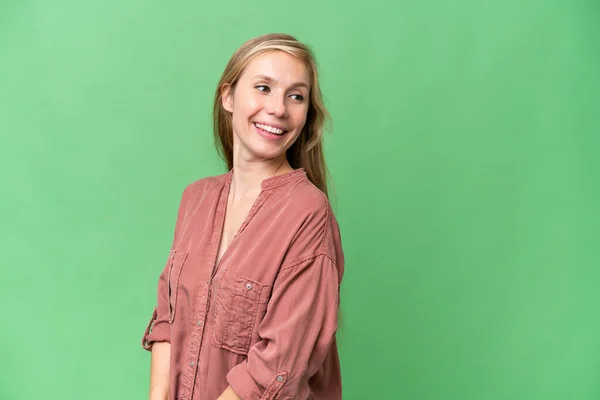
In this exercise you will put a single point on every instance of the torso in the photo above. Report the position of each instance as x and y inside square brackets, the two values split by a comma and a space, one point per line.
[235, 215]
[212, 316]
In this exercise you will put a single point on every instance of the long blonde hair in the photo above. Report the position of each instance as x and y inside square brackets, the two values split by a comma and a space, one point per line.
[307, 150]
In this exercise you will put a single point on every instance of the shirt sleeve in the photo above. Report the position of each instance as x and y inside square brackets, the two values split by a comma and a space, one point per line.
[297, 332]
[158, 329]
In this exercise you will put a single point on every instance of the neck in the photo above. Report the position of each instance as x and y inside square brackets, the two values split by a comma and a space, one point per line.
[248, 175]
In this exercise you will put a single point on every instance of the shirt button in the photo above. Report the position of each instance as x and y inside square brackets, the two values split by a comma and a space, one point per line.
[249, 286]
[199, 323]
[191, 363]
[280, 378]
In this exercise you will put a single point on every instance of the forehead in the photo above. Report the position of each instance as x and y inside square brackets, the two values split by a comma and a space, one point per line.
[280, 66]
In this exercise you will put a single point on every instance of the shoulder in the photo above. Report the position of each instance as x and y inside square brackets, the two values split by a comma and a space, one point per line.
[311, 219]
[204, 185]
[305, 200]
[319, 223]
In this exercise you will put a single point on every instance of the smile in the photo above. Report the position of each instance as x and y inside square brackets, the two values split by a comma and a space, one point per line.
[269, 128]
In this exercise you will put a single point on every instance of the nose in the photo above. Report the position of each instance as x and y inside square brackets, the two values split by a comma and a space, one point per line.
[276, 106]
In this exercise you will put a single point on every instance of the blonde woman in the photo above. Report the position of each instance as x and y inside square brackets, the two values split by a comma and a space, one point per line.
[248, 301]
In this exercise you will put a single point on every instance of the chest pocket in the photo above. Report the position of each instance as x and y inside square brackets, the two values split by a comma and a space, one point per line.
[177, 260]
[240, 305]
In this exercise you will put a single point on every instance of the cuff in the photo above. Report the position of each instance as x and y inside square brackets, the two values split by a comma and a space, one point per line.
[156, 331]
[244, 385]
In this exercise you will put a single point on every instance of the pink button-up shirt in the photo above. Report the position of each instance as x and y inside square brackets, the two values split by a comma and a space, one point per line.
[264, 319]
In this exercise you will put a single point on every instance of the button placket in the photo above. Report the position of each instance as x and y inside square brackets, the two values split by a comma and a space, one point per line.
[202, 303]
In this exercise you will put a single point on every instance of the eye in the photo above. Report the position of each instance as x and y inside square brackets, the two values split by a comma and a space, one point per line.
[262, 88]
[297, 97]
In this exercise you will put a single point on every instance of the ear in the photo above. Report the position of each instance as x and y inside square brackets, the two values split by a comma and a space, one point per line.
[227, 97]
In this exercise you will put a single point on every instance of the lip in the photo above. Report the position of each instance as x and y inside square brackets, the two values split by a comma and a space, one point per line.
[268, 135]
[273, 125]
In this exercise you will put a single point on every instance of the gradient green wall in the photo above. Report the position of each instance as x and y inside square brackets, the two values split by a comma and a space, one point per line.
[464, 153]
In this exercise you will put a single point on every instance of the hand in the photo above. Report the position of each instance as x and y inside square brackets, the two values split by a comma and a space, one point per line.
[229, 394]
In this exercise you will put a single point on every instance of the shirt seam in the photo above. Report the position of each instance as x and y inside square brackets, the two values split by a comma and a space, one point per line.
[327, 229]
[301, 260]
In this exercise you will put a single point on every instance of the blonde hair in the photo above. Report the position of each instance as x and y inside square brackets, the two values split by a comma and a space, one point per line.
[307, 150]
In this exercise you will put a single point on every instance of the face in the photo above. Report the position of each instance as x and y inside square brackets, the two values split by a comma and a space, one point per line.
[269, 105]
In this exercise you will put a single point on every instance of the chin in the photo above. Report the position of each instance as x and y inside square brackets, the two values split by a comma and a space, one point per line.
[266, 151]
[268, 155]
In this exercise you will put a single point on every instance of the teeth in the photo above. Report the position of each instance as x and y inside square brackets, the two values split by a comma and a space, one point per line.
[270, 129]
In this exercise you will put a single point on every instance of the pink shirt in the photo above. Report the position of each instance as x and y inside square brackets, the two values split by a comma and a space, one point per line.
[263, 320]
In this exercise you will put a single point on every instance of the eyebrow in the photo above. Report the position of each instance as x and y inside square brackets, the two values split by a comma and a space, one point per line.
[271, 80]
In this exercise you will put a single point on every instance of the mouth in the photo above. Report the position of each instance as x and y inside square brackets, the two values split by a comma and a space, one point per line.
[270, 129]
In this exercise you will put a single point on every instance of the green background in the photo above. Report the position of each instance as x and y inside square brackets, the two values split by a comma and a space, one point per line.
[464, 154]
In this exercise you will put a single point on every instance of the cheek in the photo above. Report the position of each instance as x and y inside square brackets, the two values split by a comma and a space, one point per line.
[247, 106]
[300, 118]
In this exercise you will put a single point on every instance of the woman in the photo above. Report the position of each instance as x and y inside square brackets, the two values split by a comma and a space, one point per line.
[248, 301]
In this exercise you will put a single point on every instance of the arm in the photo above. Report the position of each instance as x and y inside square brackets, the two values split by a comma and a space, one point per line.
[159, 371]
[157, 336]
[296, 332]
